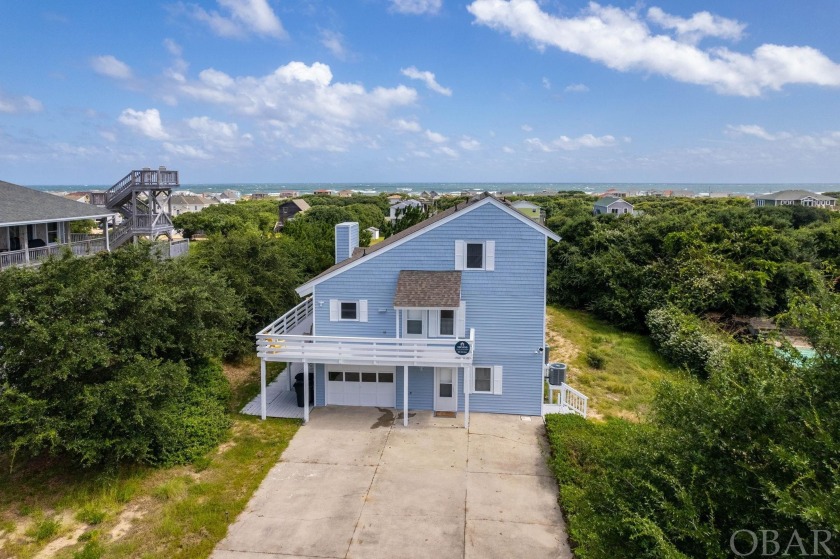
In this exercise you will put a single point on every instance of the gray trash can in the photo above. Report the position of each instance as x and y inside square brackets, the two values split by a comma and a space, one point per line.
[556, 374]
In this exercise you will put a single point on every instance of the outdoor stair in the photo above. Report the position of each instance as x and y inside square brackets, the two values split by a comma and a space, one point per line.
[141, 198]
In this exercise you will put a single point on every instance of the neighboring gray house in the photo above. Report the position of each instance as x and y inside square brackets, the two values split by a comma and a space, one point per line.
[288, 210]
[401, 207]
[615, 206]
[35, 225]
[795, 198]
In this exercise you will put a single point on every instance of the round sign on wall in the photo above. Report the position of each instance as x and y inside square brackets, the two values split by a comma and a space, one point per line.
[462, 348]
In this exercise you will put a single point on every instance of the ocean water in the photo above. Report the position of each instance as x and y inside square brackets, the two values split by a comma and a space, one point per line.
[453, 187]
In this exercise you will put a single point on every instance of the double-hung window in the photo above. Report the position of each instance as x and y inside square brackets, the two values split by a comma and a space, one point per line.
[414, 323]
[349, 310]
[475, 256]
[487, 380]
[484, 379]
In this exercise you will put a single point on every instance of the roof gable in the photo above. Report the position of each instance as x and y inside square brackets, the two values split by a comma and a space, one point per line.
[364, 254]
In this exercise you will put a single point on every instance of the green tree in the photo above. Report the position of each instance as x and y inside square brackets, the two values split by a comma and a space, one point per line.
[111, 359]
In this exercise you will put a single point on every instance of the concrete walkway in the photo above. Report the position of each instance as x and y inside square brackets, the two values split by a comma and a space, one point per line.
[355, 483]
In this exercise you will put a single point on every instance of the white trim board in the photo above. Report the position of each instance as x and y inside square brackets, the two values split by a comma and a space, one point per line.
[307, 288]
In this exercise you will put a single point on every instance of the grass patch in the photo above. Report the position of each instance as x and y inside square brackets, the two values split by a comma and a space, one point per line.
[177, 512]
[617, 370]
[43, 529]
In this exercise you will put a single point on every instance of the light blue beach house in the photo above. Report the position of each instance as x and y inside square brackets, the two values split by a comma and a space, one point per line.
[447, 315]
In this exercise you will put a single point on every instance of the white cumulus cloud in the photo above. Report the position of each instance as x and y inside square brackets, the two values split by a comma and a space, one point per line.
[416, 7]
[146, 122]
[426, 77]
[469, 144]
[621, 39]
[436, 137]
[334, 42]
[185, 150]
[698, 26]
[108, 65]
[576, 88]
[566, 143]
[240, 18]
[448, 151]
[300, 103]
[788, 140]
[407, 125]
[11, 104]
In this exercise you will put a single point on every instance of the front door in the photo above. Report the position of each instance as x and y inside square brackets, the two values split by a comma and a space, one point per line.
[446, 391]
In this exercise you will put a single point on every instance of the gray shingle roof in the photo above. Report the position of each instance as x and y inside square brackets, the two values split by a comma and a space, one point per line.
[793, 195]
[417, 288]
[19, 205]
[607, 200]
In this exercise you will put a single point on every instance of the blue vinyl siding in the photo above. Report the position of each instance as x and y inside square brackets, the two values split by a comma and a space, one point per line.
[320, 385]
[506, 306]
[421, 388]
[346, 239]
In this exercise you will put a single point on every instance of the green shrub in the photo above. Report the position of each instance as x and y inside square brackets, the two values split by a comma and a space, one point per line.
[43, 529]
[686, 340]
[110, 359]
[92, 550]
[91, 514]
[595, 359]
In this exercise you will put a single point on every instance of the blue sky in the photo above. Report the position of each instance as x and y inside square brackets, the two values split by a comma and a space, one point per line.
[420, 90]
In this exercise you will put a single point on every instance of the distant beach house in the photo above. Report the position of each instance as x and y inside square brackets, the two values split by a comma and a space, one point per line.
[795, 198]
[288, 210]
[394, 199]
[374, 233]
[345, 193]
[530, 210]
[323, 192]
[289, 194]
[614, 193]
[231, 194]
[183, 204]
[610, 205]
[401, 207]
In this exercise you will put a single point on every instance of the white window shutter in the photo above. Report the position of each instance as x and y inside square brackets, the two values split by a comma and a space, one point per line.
[490, 257]
[434, 324]
[461, 319]
[363, 310]
[460, 251]
[334, 310]
[497, 379]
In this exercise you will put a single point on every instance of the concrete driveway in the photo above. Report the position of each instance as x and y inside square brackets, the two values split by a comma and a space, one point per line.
[355, 483]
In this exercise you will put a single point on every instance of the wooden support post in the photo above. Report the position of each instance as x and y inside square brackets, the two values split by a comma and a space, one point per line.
[262, 388]
[107, 240]
[305, 392]
[405, 396]
[25, 243]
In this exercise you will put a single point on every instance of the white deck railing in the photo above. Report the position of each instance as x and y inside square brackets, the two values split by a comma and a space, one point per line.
[39, 254]
[565, 399]
[297, 320]
[285, 339]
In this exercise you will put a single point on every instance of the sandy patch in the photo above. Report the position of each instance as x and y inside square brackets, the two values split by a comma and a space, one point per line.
[126, 521]
[69, 538]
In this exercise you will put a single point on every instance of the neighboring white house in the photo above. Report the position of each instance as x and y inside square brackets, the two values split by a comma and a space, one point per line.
[184, 204]
[401, 207]
[795, 198]
[610, 205]
[374, 233]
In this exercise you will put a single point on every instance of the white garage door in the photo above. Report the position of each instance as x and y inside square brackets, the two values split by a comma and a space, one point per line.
[352, 386]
